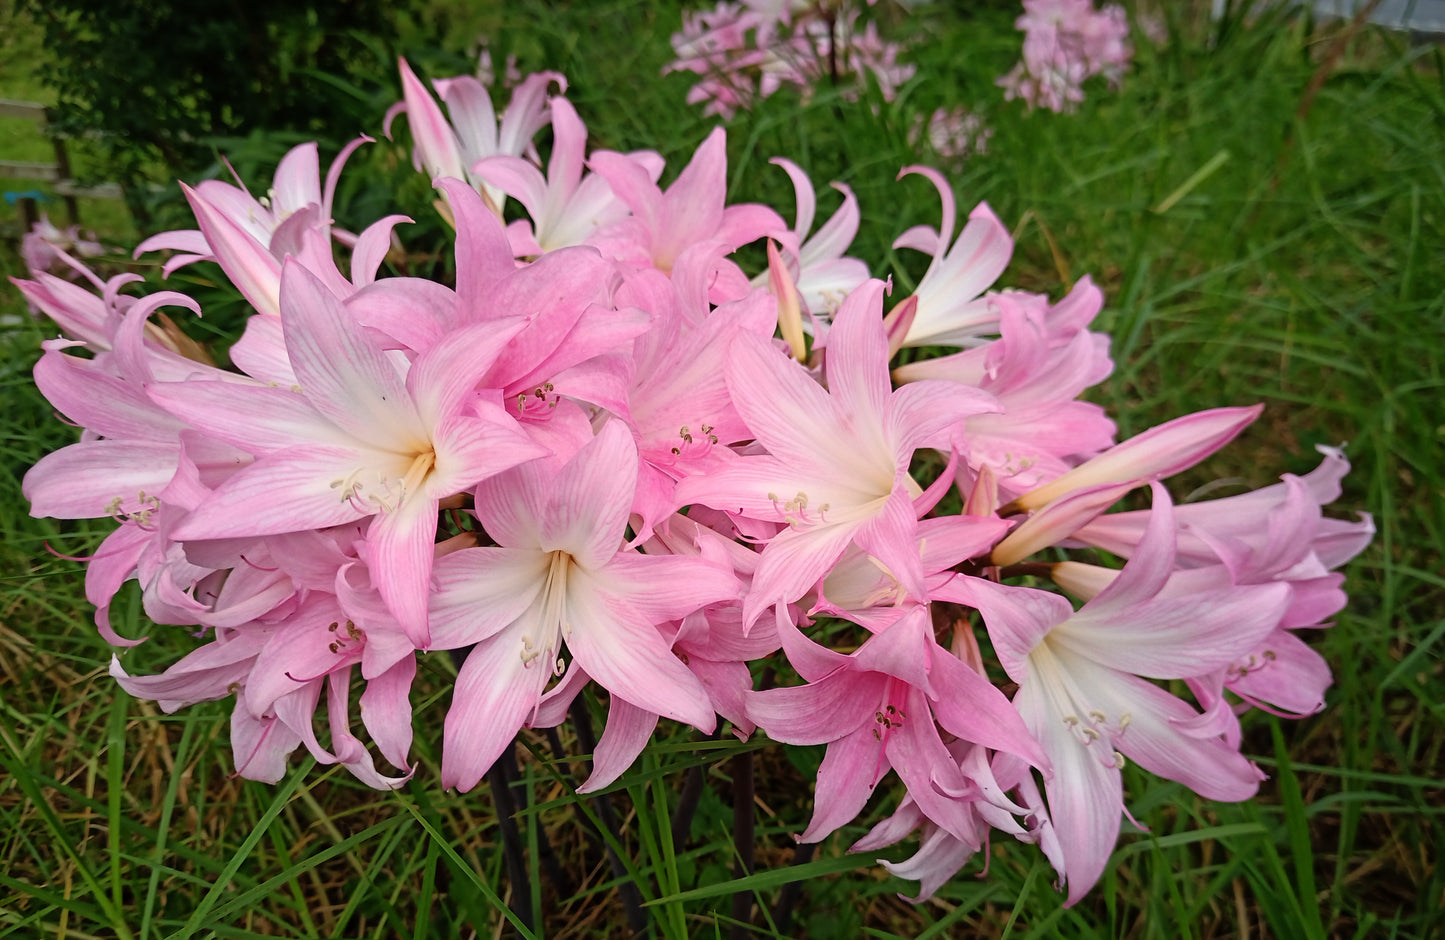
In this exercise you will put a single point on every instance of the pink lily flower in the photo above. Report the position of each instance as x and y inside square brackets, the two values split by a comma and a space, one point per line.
[359, 438]
[566, 207]
[692, 210]
[560, 576]
[836, 471]
[951, 308]
[1273, 534]
[1037, 375]
[821, 273]
[1083, 689]
[450, 149]
[876, 709]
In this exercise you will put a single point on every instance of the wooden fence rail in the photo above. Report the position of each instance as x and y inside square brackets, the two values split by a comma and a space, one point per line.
[58, 172]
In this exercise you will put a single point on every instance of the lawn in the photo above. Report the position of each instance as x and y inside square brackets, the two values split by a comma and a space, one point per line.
[1262, 201]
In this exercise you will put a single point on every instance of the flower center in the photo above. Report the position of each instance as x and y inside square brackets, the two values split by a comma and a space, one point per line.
[386, 492]
[552, 622]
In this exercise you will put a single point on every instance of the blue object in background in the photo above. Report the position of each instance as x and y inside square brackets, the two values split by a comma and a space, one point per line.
[13, 198]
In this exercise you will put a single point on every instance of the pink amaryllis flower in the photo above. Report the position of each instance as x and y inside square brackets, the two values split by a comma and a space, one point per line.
[452, 149]
[836, 471]
[565, 207]
[358, 437]
[877, 709]
[951, 308]
[1084, 690]
[822, 274]
[691, 211]
[559, 576]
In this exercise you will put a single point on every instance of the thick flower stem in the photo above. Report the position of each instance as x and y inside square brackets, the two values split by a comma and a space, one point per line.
[498, 779]
[788, 897]
[743, 840]
[546, 855]
[687, 802]
[626, 890]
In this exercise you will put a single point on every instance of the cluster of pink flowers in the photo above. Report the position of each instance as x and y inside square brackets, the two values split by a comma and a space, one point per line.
[1067, 42]
[590, 460]
[952, 133]
[748, 49]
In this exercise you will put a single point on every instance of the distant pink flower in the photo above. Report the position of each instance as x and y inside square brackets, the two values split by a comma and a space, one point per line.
[40, 247]
[953, 132]
[747, 51]
[1065, 43]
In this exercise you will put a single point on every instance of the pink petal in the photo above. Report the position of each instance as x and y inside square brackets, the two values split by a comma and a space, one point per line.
[437, 147]
[668, 587]
[495, 691]
[344, 375]
[386, 711]
[84, 480]
[249, 265]
[1085, 794]
[792, 563]
[589, 500]
[628, 730]
[480, 591]
[1017, 618]
[254, 418]
[401, 544]
[287, 491]
[626, 655]
[1159, 452]
[819, 712]
[850, 770]
[857, 362]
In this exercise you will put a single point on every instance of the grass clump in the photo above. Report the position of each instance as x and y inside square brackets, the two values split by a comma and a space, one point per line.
[1251, 249]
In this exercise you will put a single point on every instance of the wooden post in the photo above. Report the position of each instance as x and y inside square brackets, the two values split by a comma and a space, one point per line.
[29, 213]
[62, 162]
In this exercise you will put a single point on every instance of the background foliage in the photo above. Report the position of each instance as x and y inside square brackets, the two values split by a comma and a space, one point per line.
[1265, 210]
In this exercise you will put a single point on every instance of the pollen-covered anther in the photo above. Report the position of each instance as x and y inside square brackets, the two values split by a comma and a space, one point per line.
[537, 403]
[529, 652]
[693, 446]
[146, 507]
[353, 636]
[794, 511]
[388, 493]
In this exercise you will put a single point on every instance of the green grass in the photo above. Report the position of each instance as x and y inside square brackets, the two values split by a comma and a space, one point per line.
[1246, 254]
